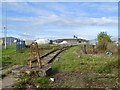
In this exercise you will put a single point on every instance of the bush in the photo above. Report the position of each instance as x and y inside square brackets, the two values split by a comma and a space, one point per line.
[103, 41]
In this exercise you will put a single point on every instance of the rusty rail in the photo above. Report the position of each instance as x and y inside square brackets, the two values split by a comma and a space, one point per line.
[60, 50]
[63, 49]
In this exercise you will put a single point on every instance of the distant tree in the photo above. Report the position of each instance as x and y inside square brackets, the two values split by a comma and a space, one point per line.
[103, 40]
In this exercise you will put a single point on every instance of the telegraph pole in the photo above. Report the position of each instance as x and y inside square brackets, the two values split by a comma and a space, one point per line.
[5, 22]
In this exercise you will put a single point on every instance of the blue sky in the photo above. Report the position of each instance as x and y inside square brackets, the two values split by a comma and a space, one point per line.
[52, 20]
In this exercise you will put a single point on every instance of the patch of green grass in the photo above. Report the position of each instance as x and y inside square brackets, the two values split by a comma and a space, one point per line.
[104, 69]
[68, 60]
[6, 60]
[9, 50]
[108, 67]
[38, 82]
[22, 82]
[43, 82]
[11, 57]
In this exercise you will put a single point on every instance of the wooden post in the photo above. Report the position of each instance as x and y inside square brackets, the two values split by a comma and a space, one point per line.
[85, 49]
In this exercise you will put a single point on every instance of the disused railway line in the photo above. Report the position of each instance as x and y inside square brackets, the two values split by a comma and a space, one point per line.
[59, 51]
[49, 57]
[55, 53]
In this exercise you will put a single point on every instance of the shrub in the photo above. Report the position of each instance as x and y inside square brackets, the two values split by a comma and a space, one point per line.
[103, 40]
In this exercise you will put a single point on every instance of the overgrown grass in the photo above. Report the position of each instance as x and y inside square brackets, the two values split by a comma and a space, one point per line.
[70, 61]
[9, 50]
[104, 69]
[22, 82]
[32, 80]
[43, 82]
[11, 57]
[109, 67]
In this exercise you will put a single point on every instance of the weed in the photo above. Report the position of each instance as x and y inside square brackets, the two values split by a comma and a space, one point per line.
[64, 86]
[104, 69]
[22, 82]
[43, 82]
[69, 62]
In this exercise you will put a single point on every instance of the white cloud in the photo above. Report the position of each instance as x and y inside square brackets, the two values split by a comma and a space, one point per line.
[15, 19]
[62, 21]
[27, 8]
[59, 21]
[103, 6]
[63, 9]
[61, 0]
[65, 21]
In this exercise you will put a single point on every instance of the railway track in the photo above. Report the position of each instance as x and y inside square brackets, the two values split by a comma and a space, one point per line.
[46, 60]
[50, 56]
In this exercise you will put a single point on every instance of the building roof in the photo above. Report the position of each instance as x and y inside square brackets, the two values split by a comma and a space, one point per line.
[70, 39]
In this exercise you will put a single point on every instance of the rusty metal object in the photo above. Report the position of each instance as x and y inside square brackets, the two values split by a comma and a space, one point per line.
[34, 51]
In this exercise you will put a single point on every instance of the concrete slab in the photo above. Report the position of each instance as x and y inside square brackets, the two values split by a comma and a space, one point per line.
[44, 71]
